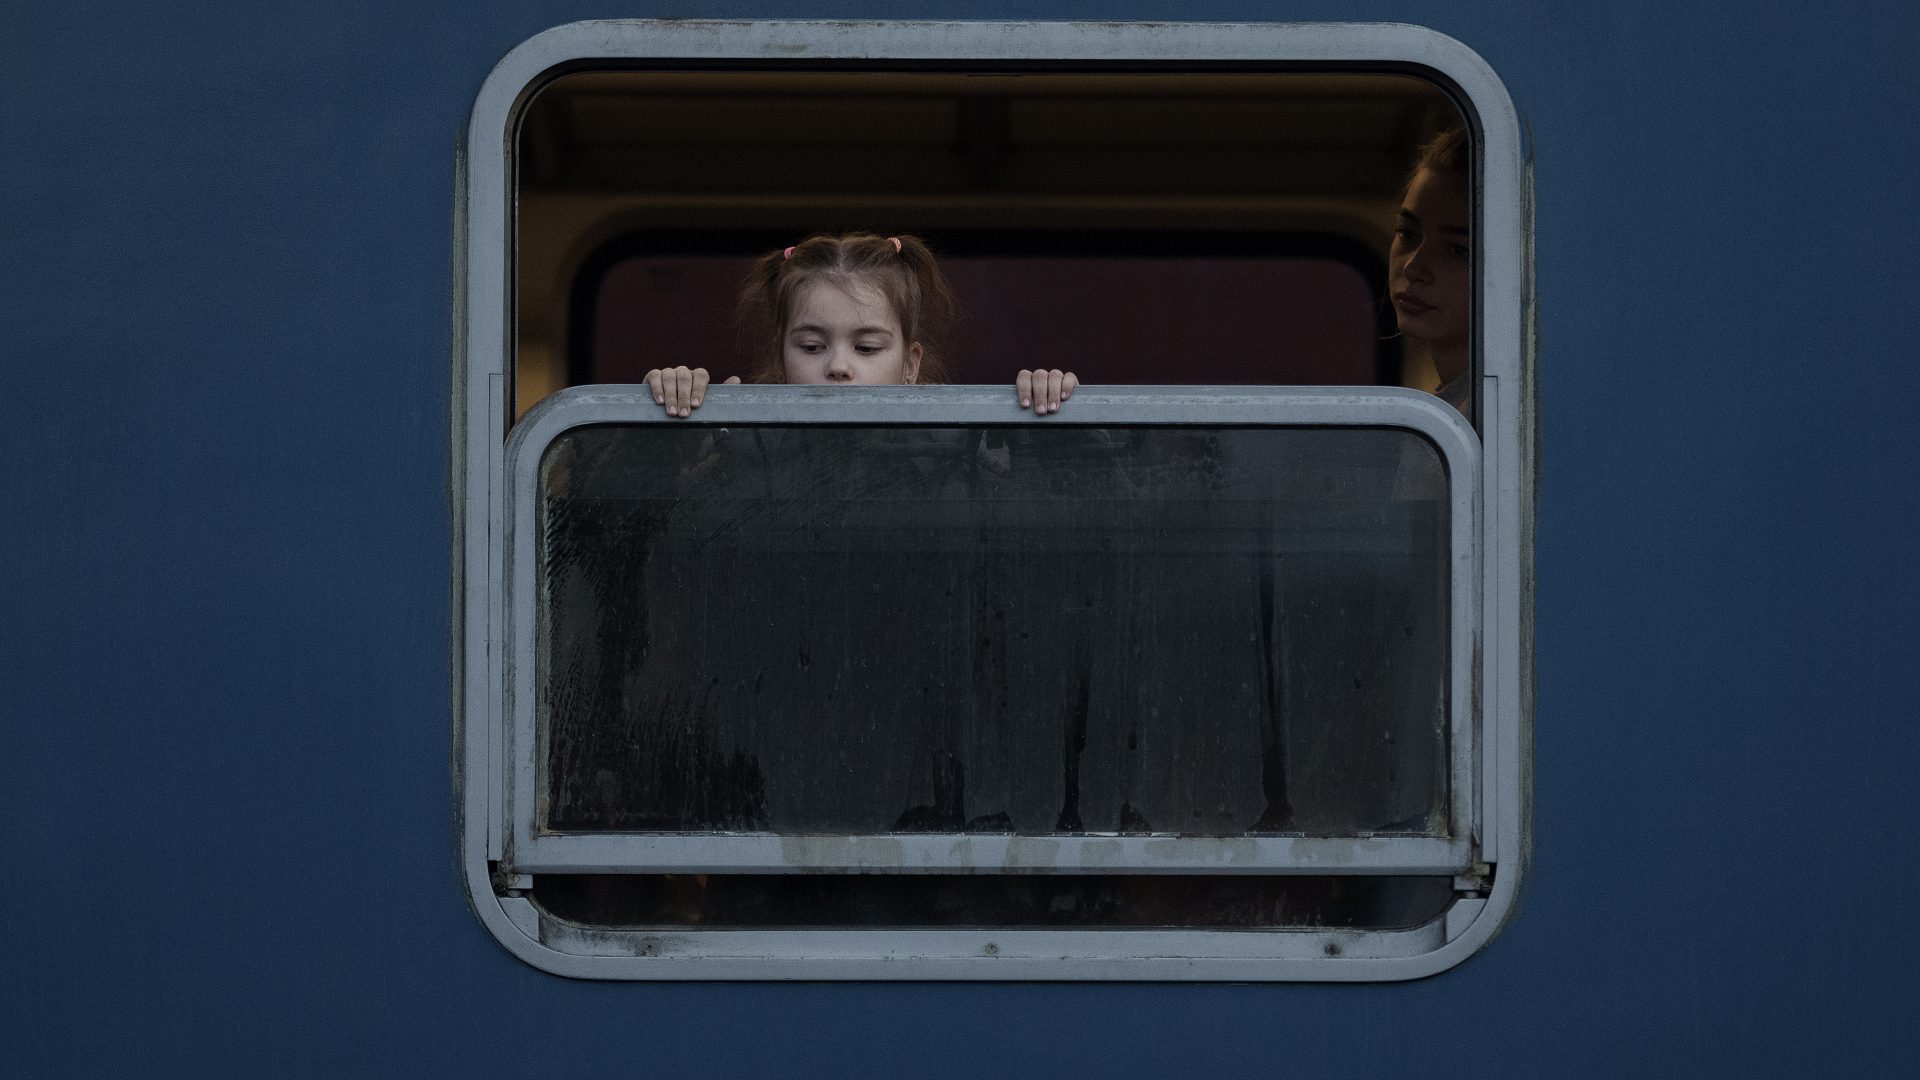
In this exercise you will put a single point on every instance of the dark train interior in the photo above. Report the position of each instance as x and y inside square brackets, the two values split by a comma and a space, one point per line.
[1133, 227]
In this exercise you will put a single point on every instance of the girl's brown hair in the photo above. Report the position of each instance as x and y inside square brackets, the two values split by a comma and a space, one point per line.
[1445, 153]
[900, 267]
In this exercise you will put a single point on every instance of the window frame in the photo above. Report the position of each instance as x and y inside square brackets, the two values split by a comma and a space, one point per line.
[532, 850]
[1498, 693]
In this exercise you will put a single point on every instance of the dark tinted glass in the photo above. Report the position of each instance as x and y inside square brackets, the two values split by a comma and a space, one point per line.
[1038, 629]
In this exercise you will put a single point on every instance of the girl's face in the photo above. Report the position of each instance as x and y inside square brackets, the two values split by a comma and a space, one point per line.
[849, 336]
[1430, 266]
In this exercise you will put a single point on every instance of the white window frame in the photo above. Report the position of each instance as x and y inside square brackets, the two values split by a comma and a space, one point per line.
[1490, 651]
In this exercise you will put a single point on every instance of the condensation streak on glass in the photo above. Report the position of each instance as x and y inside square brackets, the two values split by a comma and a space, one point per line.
[1033, 629]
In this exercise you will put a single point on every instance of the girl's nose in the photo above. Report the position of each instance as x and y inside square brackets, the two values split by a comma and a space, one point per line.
[840, 366]
[1417, 268]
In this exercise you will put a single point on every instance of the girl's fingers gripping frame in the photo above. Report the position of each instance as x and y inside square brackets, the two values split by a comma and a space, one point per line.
[682, 396]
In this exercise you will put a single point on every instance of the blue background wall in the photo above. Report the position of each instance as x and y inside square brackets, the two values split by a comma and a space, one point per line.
[225, 792]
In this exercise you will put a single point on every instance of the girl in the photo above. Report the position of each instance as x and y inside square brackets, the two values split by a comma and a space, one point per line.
[855, 309]
[1430, 264]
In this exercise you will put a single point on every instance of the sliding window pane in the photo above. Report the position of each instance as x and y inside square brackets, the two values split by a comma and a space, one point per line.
[860, 630]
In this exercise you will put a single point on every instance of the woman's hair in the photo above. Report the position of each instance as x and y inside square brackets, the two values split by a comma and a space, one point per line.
[899, 267]
[1445, 153]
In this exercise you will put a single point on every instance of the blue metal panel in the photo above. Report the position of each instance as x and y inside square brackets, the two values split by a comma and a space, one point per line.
[224, 755]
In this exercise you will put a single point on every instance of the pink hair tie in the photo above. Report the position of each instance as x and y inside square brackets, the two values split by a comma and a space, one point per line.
[896, 244]
[787, 254]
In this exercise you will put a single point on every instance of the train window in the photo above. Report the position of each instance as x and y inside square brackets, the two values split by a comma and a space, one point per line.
[1223, 681]
[1153, 227]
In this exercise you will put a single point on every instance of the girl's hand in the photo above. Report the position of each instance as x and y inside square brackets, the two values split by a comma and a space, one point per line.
[1045, 391]
[680, 390]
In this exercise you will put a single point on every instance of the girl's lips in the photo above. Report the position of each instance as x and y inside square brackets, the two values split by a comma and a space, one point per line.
[1410, 304]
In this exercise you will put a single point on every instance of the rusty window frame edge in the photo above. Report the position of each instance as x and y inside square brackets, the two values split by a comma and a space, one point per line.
[481, 353]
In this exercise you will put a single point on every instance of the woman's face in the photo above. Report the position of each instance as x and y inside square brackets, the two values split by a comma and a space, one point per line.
[848, 336]
[1430, 266]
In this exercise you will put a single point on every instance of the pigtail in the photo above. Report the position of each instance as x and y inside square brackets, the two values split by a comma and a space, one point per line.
[757, 319]
[933, 307]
